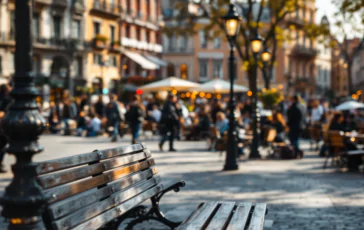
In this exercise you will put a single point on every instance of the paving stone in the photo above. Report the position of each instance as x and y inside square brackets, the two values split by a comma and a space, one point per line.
[299, 193]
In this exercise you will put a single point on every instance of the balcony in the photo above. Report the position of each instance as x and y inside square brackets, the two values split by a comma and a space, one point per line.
[106, 9]
[44, 2]
[58, 43]
[60, 3]
[78, 7]
[115, 46]
[7, 38]
[296, 22]
[304, 52]
[178, 50]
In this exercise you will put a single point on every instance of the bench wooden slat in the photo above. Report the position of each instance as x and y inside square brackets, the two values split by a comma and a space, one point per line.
[111, 214]
[257, 219]
[95, 209]
[240, 217]
[81, 200]
[63, 177]
[69, 162]
[200, 218]
[67, 190]
[222, 216]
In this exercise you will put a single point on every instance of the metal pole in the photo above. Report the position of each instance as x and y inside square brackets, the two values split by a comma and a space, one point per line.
[256, 113]
[231, 153]
[24, 200]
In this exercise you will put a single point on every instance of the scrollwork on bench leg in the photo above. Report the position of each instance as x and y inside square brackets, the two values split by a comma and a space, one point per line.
[138, 212]
[155, 213]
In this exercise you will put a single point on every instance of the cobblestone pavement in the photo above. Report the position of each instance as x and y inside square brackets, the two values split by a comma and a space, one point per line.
[299, 193]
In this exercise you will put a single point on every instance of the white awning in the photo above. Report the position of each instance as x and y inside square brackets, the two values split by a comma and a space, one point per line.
[142, 61]
[156, 60]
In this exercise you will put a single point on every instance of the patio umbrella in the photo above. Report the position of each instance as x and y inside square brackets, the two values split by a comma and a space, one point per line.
[168, 84]
[220, 86]
[349, 105]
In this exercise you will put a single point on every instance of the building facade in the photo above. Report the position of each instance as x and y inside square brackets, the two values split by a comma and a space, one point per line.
[199, 59]
[141, 39]
[323, 66]
[358, 71]
[300, 52]
[58, 54]
[86, 45]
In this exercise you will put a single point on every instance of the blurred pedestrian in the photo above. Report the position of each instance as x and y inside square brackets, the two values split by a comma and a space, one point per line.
[135, 117]
[4, 104]
[296, 123]
[169, 122]
[114, 116]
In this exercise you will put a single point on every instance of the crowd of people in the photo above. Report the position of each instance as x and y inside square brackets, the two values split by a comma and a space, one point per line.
[173, 118]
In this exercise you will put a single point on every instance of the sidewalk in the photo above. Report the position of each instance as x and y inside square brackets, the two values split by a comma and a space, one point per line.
[299, 193]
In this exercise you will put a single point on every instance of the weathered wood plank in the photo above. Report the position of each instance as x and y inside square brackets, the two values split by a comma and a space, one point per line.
[201, 218]
[67, 190]
[257, 219]
[69, 162]
[95, 209]
[222, 216]
[240, 216]
[81, 200]
[65, 176]
[111, 214]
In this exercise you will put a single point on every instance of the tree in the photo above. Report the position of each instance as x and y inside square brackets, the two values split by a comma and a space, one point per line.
[272, 31]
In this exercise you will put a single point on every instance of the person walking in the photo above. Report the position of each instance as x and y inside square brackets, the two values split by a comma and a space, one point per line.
[135, 117]
[296, 123]
[69, 112]
[114, 116]
[169, 122]
[99, 107]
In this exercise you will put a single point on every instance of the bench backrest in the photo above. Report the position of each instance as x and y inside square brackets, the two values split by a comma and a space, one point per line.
[89, 190]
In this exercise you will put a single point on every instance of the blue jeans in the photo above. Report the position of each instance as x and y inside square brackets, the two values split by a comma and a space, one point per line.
[135, 128]
[116, 129]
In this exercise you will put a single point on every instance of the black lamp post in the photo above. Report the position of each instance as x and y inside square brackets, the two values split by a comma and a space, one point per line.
[256, 45]
[266, 56]
[24, 200]
[232, 20]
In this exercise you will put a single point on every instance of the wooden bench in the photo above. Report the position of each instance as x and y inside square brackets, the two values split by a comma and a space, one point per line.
[103, 188]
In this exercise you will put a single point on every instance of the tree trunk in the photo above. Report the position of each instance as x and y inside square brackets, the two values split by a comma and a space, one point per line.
[350, 78]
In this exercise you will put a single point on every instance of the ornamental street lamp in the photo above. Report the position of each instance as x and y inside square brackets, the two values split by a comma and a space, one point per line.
[256, 45]
[266, 55]
[23, 201]
[232, 26]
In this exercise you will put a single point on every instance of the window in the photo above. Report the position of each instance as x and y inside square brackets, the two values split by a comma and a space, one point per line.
[97, 59]
[184, 71]
[12, 24]
[273, 76]
[147, 36]
[203, 68]
[96, 28]
[76, 29]
[217, 66]
[127, 31]
[183, 42]
[217, 43]
[57, 26]
[326, 75]
[113, 61]
[36, 26]
[138, 34]
[1, 65]
[36, 65]
[78, 67]
[112, 34]
[203, 39]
